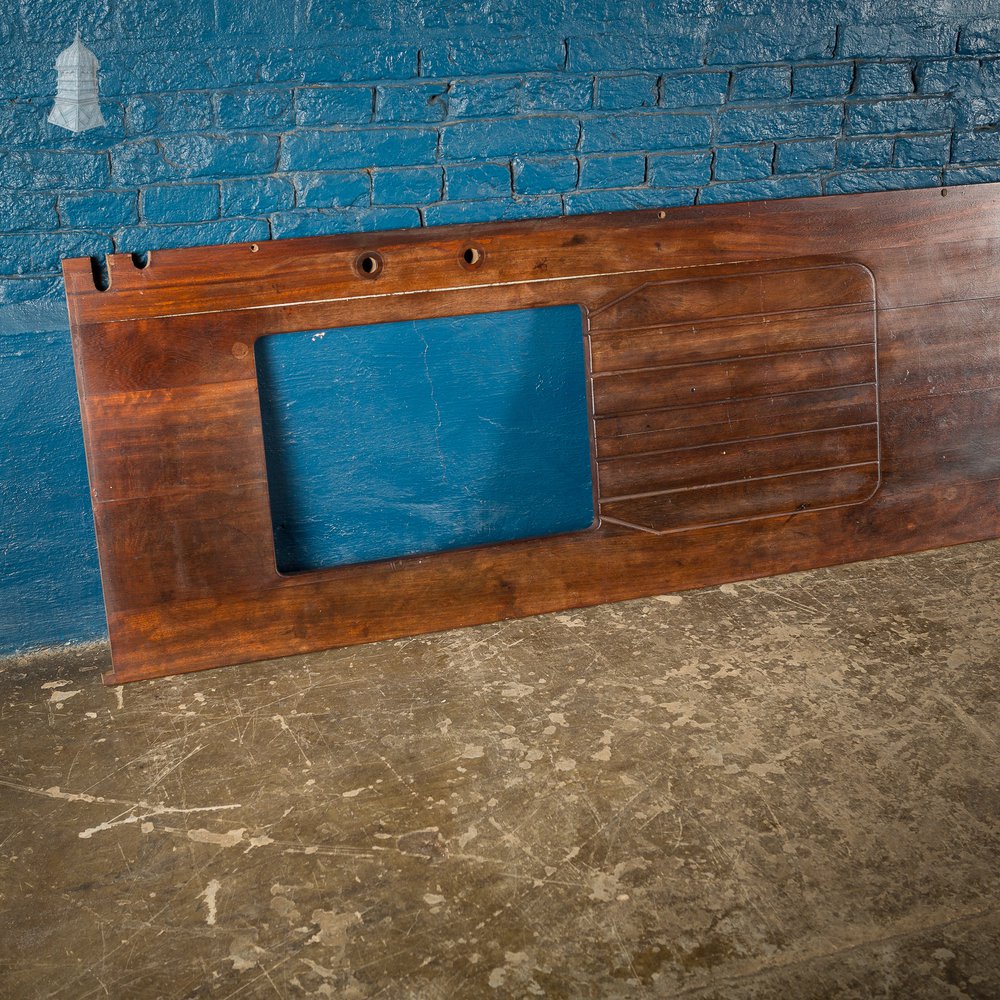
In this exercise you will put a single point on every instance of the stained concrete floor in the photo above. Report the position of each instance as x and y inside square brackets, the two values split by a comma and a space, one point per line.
[781, 789]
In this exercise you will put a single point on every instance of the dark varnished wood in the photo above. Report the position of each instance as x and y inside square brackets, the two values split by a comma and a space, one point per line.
[734, 420]
[775, 386]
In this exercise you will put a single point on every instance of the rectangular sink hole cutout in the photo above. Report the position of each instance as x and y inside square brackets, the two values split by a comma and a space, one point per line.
[409, 438]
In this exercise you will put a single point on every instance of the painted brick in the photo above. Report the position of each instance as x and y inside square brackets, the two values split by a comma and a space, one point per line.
[856, 181]
[44, 22]
[180, 203]
[761, 83]
[166, 19]
[340, 64]
[349, 189]
[694, 90]
[772, 187]
[256, 17]
[10, 29]
[977, 113]
[883, 79]
[41, 170]
[548, 176]
[972, 175]
[28, 210]
[945, 76]
[144, 70]
[411, 102]
[477, 180]
[800, 121]
[864, 153]
[320, 222]
[586, 202]
[532, 53]
[517, 17]
[337, 16]
[923, 150]
[14, 291]
[758, 42]
[896, 40]
[633, 90]
[919, 114]
[743, 163]
[612, 171]
[333, 105]
[976, 147]
[474, 140]
[645, 131]
[833, 80]
[51, 583]
[22, 124]
[26, 73]
[611, 51]
[805, 157]
[139, 239]
[504, 96]
[989, 76]
[335, 150]
[416, 186]
[180, 157]
[447, 212]
[557, 93]
[96, 209]
[255, 109]
[980, 37]
[184, 112]
[256, 196]
[484, 98]
[680, 170]
[39, 253]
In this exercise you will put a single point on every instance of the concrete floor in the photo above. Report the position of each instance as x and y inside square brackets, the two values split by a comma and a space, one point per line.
[781, 789]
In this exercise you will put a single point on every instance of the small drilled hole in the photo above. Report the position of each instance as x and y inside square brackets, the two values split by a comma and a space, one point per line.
[254, 248]
[472, 257]
[661, 215]
[369, 265]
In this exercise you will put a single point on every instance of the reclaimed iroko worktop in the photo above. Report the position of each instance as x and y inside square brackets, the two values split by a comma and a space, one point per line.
[774, 386]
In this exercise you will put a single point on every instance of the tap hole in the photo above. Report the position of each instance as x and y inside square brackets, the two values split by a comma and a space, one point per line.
[473, 256]
[99, 269]
[369, 265]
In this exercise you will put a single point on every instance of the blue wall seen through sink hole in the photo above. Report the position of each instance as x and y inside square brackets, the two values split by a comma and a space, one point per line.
[406, 438]
[248, 121]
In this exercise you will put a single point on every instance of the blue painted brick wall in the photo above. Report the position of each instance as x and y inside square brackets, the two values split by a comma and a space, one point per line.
[313, 117]
[250, 120]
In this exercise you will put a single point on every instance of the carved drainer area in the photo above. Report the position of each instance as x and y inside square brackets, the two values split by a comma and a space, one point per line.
[726, 399]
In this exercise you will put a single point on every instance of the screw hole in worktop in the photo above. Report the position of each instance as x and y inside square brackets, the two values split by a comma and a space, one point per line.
[473, 257]
[369, 265]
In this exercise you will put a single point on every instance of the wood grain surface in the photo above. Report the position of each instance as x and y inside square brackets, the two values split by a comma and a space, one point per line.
[774, 386]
